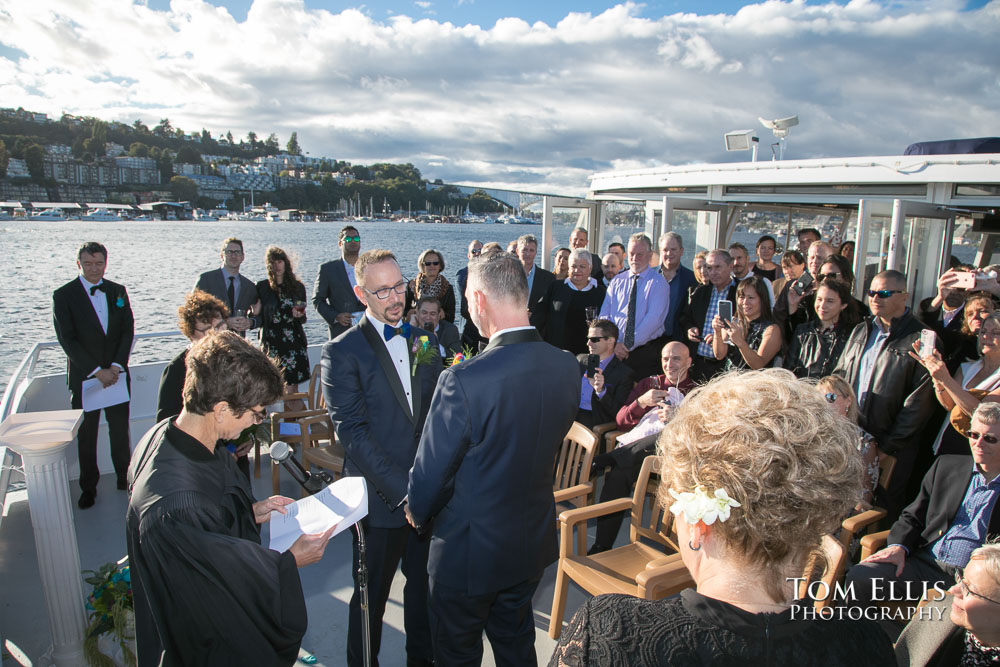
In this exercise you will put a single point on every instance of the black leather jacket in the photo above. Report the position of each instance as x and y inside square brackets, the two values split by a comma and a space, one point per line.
[900, 399]
[813, 353]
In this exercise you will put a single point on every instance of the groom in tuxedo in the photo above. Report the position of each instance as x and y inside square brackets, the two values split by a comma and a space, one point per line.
[484, 470]
[378, 391]
[94, 326]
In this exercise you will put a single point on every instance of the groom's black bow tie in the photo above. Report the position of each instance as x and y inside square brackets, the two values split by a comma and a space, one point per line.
[102, 286]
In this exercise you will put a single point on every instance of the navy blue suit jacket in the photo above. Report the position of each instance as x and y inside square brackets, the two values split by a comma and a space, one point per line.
[372, 416]
[486, 459]
[684, 279]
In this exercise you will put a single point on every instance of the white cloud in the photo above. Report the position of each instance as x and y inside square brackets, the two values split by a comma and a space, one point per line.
[517, 103]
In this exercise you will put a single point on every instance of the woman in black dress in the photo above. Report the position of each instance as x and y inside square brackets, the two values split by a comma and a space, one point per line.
[282, 314]
[752, 339]
[756, 470]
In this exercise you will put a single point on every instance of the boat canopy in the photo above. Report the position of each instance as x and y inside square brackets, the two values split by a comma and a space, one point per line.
[955, 146]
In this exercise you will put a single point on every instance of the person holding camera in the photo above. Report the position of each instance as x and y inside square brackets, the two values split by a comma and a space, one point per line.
[606, 379]
[751, 339]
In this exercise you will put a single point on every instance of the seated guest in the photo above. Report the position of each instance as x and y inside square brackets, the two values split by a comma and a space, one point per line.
[755, 470]
[560, 266]
[604, 393]
[205, 590]
[637, 301]
[199, 315]
[751, 339]
[816, 346]
[971, 383]
[793, 265]
[699, 311]
[429, 317]
[430, 281]
[648, 407]
[963, 628]
[611, 266]
[569, 300]
[841, 399]
[955, 512]
[765, 266]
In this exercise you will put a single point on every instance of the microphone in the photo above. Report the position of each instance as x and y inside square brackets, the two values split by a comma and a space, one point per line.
[281, 453]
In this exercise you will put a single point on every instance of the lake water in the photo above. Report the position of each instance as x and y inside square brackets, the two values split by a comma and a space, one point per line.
[159, 262]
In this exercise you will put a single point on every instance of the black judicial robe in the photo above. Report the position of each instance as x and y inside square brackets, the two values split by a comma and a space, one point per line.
[205, 591]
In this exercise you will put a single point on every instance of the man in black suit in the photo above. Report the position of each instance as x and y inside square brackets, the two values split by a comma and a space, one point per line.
[483, 472]
[429, 317]
[94, 325]
[231, 287]
[604, 393]
[333, 295]
[698, 312]
[378, 389]
[579, 238]
[539, 281]
[955, 512]
[470, 334]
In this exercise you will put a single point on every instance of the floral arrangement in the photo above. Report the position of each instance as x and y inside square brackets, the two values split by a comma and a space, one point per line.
[110, 612]
[423, 353]
[458, 357]
[698, 506]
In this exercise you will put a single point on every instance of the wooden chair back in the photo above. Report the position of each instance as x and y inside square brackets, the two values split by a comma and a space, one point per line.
[886, 466]
[827, 567]
[575, 457]
[658, 525]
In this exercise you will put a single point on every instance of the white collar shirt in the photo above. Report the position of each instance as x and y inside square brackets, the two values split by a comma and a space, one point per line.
[399, 353]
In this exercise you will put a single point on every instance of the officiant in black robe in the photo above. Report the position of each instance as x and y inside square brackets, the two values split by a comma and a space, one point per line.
[206, 592]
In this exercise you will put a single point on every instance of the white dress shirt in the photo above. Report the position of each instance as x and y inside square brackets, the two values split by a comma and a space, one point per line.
[99, 300]
[399, 352]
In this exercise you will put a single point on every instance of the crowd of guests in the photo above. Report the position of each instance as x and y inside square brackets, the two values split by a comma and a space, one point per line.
[669, 355]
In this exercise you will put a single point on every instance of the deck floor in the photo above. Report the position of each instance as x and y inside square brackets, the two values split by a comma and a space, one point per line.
[101, 537]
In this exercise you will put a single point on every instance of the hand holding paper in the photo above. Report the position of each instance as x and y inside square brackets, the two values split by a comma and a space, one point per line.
[337, 507]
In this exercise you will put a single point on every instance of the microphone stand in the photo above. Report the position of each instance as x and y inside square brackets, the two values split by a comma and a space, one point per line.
[366, 628]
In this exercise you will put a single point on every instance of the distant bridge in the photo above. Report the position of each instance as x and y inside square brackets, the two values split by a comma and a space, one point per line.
[518, 200]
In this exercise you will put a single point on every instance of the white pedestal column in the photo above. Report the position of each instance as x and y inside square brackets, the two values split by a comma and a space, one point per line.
[41, 439]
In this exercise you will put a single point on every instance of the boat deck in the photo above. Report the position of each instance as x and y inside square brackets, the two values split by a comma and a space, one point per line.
[328, 585]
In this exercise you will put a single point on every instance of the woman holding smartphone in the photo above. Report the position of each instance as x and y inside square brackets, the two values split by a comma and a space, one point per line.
[751, 339]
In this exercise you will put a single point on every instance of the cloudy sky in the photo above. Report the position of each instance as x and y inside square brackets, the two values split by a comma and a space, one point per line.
[537, 95]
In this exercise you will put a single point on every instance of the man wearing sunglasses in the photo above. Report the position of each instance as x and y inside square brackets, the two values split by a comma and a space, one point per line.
[333, 295]
[604, 387]
[893, 389]
[377, 384]
[954, 514]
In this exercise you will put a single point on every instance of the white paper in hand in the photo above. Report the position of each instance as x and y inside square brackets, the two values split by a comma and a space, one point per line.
[343, 503]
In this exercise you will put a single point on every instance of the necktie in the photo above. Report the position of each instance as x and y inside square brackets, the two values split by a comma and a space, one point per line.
[100, 286]
[231, 293]
[390, 332]
[630, 321]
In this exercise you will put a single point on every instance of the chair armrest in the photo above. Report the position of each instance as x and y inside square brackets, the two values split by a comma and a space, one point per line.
[872, 543]
[574, 516]
[601, 429]
[670, 573]
[610, 439]
[853, 524]
[564, 495]
[659, 562]
[296, 414]
[296, 394]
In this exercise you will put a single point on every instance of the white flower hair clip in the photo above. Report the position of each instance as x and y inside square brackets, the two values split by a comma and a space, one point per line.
[698, 506]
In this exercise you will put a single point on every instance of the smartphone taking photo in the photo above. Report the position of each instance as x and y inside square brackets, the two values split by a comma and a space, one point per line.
[593, 363]
[928, 340]
[726, 312]
[802, 284]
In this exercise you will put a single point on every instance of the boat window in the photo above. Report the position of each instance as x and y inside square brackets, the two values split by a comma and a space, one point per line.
[976, 190]
[849, 189]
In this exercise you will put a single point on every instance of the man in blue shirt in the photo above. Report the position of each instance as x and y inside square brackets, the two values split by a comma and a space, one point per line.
[954, 514]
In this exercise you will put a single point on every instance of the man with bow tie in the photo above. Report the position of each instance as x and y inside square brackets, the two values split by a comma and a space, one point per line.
[94, 325]
[378, 378]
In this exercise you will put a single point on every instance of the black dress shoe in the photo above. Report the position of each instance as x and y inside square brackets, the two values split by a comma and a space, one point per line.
[122, 484]
[86, 500]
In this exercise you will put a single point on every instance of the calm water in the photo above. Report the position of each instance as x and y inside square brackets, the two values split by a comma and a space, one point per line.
[159, 263]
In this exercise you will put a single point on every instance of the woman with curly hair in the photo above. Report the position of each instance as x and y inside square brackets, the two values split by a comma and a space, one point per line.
[755, 470]
[430, 281]
[282, 313]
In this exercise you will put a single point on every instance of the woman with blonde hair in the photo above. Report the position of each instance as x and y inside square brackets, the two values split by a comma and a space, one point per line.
[755, 470]
[840, 398]
[430, 281]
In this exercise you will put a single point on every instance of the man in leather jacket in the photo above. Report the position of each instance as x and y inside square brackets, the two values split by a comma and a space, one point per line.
[894, 390]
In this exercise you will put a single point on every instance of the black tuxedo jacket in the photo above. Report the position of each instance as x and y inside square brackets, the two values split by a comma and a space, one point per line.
[333, 294]
[538, 307]
[79, 331]
[372, 417]
[485, 463]
[928, 518]
[619, 379]
[695, 310]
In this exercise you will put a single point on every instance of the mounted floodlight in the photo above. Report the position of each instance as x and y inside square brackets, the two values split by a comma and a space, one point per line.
[742, 140]
[780, 127]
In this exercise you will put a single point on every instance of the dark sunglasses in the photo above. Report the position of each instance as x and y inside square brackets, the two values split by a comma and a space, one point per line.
[884, 293]
[476, 251]
[596, 339]
[831, 276]
[349, 239]
[830, 397]
[986, 437]
[432, 263]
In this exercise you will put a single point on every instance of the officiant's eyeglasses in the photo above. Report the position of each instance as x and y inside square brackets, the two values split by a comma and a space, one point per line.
[383, 294]
[987, 438]
[259, 415]
[960, 580]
